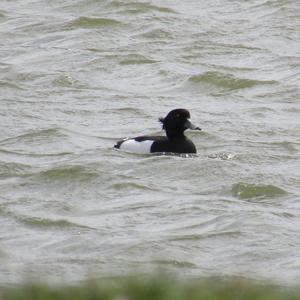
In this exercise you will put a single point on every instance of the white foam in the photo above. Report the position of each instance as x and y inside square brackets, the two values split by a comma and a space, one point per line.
[133, 146]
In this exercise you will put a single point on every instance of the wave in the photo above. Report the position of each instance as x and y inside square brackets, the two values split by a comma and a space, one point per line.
[201, 236]
[222, 156]
[88, 22]
[37, 143]
[157, 34]
[3, 14]
[68, 172]
[243, 190]
[11, 169]
[227, 81]
[135, 59]
[130, 186]
[36, 155]
[141, 7]
[126, 109]
[11, 85]
[40, 222]
[43, 133]
[175, 263]
[46, 223]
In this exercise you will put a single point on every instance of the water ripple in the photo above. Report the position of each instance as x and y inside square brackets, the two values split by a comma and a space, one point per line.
[228, 81]
[43, 223]
[69, 173]
[134, 59]
[140, 7]
[249, 191]
[13, 169]
[89, 22]
[78, 75]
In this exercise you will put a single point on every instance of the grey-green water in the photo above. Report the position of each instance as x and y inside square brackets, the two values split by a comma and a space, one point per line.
[77, 75]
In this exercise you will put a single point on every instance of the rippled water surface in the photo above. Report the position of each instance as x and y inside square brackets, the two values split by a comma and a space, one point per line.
[78, 75]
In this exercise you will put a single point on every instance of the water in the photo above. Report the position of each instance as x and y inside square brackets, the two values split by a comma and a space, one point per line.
[78, 75]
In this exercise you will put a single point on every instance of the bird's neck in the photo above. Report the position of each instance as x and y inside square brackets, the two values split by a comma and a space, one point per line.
[175, 134]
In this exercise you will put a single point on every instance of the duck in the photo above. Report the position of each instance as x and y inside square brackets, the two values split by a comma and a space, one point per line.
[174, 125]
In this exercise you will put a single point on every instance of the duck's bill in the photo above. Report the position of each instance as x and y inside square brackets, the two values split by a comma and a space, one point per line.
[189, 125]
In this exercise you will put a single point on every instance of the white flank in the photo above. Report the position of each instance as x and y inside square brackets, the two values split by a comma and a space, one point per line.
[136, 147]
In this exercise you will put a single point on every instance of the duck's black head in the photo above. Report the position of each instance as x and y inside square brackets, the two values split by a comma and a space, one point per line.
[176, 122]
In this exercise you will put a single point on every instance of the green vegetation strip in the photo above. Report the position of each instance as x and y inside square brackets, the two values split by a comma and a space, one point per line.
[158, 289]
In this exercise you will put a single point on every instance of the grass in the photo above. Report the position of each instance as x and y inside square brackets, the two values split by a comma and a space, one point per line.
[158, 288]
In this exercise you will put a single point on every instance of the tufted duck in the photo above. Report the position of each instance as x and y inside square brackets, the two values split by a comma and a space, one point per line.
[175, 123]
